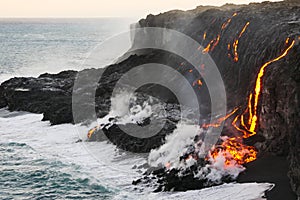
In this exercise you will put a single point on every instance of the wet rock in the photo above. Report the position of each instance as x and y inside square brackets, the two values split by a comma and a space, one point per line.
[270, 24]
[127, 142]
[47, 94]
[162, 179]
[78, 141]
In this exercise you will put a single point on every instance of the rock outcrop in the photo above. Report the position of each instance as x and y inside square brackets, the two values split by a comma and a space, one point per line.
[270, 24]
[50, 94]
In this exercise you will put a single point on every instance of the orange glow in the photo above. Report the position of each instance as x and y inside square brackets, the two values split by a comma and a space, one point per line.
[250, 128]
[236, 43]
[207, 48]
[287, 40]
[92, 131]
[204, 36]
[244, 29]
[233, 148]
[258, 87]
[213, 43]
[235, 47]
[199, 82]
[226, 23]
[219, 121]
[211, 46]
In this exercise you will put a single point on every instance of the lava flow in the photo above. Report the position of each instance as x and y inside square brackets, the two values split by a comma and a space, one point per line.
[92, 131]
[219, 121]
[233, 149]
[249, 127]
[236, 43]
[213, 43]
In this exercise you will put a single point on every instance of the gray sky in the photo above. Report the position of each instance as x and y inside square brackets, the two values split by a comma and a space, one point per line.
[100, 8]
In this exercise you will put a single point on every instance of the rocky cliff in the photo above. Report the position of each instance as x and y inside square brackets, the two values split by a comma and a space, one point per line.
[245, 38]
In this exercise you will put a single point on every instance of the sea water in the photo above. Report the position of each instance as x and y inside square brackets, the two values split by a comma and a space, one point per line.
[39, 161]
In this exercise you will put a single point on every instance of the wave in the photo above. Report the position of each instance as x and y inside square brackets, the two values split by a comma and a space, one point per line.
[50, 153]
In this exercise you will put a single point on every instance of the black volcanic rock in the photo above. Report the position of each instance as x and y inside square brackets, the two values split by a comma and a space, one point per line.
[163, 180]
[136, 144]
[280, 114]
[48, 94]
[270, 24]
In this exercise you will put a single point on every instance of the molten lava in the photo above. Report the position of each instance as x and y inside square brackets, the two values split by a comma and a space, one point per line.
[234, 151]
[204, 35]
[233, 148]
[213, 43]
[219, 121]
[197, 82]
[92, 131]
[236, 43]
[249, 128]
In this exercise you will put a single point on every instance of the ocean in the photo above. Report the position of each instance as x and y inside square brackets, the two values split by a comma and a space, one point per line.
[39, 161]
[30, 47]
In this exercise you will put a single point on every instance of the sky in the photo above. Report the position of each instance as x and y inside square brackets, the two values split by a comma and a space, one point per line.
[100, 8]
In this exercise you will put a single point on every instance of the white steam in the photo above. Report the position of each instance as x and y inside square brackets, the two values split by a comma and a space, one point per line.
[217, 169]
[177, 145]
[125, 109]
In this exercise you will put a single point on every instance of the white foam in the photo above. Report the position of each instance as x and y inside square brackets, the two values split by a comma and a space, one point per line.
[115, 171]
[124, 107]
[246, 191]
[175, 146]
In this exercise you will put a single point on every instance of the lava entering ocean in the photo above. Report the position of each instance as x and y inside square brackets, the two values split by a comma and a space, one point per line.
[244, 119]
[233, 148]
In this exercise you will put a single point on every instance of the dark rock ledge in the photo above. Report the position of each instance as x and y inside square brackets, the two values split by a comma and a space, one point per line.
[270, 25]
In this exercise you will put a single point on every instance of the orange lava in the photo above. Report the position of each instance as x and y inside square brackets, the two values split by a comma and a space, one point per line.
[233, 148]
[204, 35]
[213, 43]
[92, 131]
[219, 121]
[198, 82]
[236, 43]
[249, 128]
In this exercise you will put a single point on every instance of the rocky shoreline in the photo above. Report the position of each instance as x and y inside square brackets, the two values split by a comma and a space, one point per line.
[270, 24]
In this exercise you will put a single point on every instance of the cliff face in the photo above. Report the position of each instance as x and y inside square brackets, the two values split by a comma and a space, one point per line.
[263, 39]
[280, 114]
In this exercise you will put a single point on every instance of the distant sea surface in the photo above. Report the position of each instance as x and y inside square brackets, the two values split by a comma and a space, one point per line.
[30, 47]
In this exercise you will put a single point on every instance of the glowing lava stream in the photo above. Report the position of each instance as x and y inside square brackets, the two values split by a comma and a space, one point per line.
[236, 43]
[219, 121]
[252, 106]
[213, 43]
[233, 149]
[92, 131]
